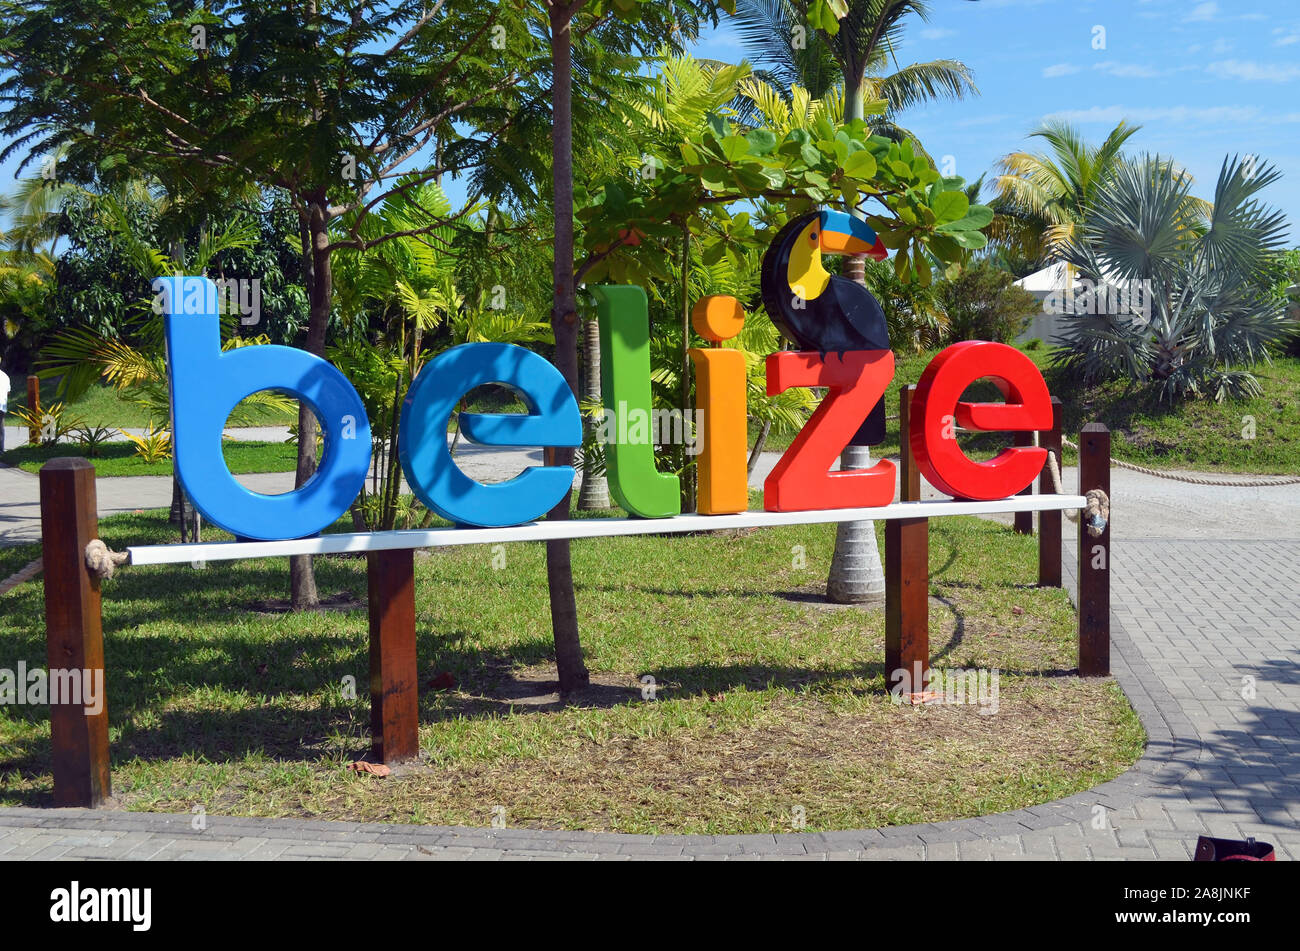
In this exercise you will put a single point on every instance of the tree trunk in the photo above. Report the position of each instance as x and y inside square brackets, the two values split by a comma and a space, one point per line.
[302, 577]
[759, 443]
[564, 324]
[688, 470]
[595, 487]
[176, 514]
[856, 576]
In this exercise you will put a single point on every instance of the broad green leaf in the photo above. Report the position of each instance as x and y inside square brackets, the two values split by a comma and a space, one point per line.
[860, 164]
[893, 240]
[713, 252]
[949, 206]
[735, 147]
[761, 142]
[977, 218]
[775, 176]
[970, 240]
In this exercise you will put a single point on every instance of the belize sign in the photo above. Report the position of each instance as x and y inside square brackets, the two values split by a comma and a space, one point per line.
[844, 349]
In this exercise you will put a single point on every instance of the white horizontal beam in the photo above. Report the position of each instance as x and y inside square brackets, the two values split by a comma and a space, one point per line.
[584, 528]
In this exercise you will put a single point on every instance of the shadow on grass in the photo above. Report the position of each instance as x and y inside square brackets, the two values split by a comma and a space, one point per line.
[252, 685]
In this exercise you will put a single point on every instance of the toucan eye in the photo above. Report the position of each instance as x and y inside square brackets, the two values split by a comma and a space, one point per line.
[813, 236]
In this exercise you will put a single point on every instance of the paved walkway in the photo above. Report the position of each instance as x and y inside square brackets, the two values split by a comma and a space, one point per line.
[16, 436]
[1206, 644]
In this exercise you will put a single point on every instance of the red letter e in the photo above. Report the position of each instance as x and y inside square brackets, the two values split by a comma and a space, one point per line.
[937, 402]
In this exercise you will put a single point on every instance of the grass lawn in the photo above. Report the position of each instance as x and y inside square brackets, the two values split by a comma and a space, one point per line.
[1198, 434]
[119, 459]
[769, 701]
[106, 406]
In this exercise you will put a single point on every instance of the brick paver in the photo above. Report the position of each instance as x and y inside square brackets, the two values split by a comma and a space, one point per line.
[1206, 644]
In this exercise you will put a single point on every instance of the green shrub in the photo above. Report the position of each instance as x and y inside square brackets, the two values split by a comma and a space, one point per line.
[984, 303]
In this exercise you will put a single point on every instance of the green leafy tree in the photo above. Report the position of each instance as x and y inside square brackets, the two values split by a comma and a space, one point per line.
[329, 101]
[1043, 198]
[26, 281]
[398, 295]
[984, 303]
[913, 313]
[853, 50]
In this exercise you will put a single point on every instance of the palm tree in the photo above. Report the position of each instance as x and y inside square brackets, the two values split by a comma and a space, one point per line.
[1043, 198]
[857, 55]
[855, 58]
[1203, 305]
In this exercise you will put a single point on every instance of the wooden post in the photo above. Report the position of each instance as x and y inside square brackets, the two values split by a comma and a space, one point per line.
[1094, 557]
[1049, 523]
[34, 407]
[1024, 521]
[907, 575]
[394, 676]
[74, 636]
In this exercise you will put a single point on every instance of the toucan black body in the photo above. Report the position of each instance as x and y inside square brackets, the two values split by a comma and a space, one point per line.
[816, 310]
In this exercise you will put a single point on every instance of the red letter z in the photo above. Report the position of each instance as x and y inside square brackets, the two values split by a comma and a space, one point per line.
[802, 480]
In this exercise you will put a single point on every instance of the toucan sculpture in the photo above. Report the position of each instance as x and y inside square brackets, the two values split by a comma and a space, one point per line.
[817, 310]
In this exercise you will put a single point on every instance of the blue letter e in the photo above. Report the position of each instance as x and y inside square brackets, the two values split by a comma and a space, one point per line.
[552, 420]
[206, 384]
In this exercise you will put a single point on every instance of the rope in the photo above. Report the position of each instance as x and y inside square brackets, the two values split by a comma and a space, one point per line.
[1098, 502]
[25, 573]
[1192, 480]
[101, 561]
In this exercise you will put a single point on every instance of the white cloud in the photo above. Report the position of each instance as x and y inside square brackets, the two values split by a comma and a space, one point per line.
[1060, 69]
[1111, 115]
[1250, 71]
[1202, 13]
[1130, 70]
[936, 33]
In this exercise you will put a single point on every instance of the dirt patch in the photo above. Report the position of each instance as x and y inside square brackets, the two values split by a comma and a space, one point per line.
[343, 601]
[538, 688]
[813, 595]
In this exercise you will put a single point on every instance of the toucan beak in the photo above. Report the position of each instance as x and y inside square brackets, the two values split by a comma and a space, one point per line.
[843, 234]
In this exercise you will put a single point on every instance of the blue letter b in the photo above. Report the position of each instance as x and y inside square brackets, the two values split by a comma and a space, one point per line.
[206, 384]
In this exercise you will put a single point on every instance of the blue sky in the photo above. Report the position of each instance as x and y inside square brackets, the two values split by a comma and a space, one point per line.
[1203, 79]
